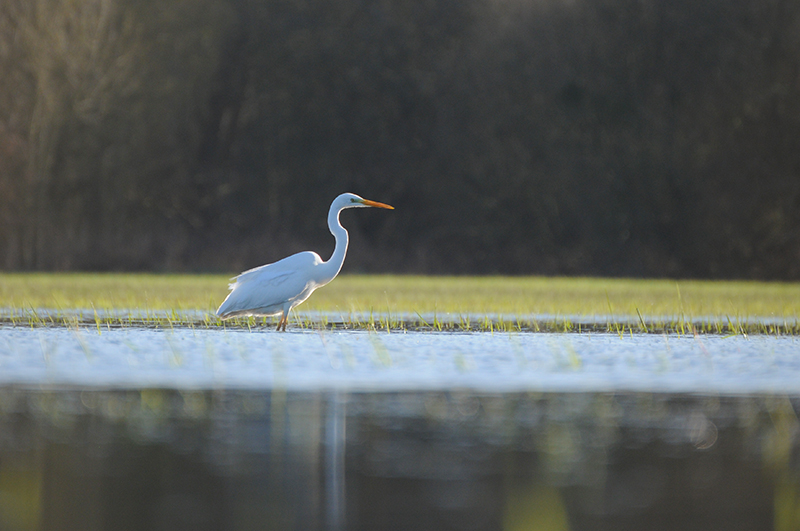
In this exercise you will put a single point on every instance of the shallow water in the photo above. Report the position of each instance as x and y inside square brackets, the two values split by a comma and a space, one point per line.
[134, 428]
[370, 361]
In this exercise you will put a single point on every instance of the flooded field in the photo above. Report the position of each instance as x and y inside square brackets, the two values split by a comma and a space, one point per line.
[378, 361]
[137, 428]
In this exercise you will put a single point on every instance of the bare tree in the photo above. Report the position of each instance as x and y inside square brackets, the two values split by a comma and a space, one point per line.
[105, 94]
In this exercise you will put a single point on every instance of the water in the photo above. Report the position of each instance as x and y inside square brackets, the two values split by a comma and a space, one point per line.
[364, 361]
[199, 429]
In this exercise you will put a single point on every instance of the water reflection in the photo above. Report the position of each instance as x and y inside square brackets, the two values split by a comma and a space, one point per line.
[164, 459]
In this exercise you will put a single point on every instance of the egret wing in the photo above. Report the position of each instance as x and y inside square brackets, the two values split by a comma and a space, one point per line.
[267, 289]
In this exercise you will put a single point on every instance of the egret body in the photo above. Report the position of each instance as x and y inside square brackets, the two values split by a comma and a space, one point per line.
[274, 289]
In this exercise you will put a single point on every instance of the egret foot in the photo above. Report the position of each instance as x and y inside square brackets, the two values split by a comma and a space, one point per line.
[282, 323]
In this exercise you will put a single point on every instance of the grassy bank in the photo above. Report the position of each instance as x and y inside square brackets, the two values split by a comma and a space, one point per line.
[450, 300]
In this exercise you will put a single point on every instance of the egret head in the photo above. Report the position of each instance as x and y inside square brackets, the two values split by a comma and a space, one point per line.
[353, 201]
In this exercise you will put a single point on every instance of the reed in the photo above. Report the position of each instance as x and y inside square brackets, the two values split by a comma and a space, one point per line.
[403, 303]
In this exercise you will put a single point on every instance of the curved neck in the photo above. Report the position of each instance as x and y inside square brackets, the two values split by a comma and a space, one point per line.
[334, 264]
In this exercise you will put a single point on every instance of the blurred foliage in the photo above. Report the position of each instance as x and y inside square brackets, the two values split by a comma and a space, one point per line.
[602, 137]
[450, 299]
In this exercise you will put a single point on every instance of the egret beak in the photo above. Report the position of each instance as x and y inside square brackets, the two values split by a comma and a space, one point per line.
[376, 204]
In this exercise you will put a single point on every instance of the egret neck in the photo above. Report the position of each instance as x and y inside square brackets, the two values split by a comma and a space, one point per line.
[333, 265]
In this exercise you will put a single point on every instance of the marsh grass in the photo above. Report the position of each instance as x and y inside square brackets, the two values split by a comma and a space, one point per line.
[402, 303]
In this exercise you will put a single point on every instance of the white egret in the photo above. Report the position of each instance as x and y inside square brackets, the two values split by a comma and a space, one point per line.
[276, 288]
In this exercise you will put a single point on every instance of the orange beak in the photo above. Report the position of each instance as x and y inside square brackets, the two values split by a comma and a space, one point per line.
[376, 204]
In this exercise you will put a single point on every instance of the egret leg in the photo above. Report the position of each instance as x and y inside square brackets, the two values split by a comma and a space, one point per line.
[282, 323]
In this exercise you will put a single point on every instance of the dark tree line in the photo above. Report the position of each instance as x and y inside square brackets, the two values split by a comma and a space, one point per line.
[595, 137]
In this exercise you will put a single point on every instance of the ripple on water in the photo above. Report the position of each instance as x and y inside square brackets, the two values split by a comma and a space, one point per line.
[306, 360]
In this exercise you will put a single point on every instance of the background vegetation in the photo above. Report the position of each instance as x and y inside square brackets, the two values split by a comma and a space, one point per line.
[450, 298]
[602, 137]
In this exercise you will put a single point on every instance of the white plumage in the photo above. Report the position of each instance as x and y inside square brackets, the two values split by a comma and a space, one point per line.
[276, 288]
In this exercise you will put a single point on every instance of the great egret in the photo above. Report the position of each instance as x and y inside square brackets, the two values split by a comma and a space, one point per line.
[276, 288]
